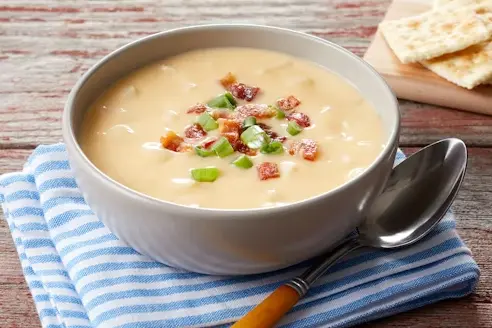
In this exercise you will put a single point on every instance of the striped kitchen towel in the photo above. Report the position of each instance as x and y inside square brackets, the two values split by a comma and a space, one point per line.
[81, 275]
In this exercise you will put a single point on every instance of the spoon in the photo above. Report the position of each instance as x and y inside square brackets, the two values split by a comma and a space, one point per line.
[417, 195]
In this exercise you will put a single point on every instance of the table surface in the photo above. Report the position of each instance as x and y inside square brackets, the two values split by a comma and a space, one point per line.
[45, 46]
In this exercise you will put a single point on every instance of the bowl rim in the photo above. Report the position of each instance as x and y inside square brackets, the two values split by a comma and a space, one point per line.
[216, 213]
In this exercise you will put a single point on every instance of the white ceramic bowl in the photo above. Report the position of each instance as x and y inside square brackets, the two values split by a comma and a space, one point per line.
[230, 241]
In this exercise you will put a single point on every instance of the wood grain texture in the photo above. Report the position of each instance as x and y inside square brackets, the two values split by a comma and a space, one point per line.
[415, 82]
[45, 46]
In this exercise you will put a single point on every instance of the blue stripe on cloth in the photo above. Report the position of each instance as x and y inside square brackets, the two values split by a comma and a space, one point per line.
[66, 217]
[58, 298]
[51, 166]
[52, 284]
[52, 272]
[122, 279]
[38, 242]
[29, 227]
[79, 231]
[26, 211]
[123, 250]
[77, 245]
[22, 194]
[45, 258]
[57, 183]
[5, 181]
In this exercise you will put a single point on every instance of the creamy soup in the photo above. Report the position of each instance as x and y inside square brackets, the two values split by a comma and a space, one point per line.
[232, 128]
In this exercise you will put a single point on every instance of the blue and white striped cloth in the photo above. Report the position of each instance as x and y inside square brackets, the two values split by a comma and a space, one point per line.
[81, 275]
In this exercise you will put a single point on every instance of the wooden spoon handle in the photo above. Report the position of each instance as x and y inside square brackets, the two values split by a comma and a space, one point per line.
[271, 310]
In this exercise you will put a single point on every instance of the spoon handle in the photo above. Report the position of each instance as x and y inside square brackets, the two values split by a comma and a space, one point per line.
[274, 307]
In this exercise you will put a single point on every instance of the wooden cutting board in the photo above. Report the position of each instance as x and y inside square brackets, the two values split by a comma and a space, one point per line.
[413, 81]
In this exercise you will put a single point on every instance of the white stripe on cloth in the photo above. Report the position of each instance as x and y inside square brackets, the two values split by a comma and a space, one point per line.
[81, 275]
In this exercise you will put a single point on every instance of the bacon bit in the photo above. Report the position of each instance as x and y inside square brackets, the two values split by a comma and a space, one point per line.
[242, 148]
[229, 129]
[239, 90]
[300, 118]
[256, 110]
[174, 142]
[272, 134]
[220, 113]
[243, 91]
[228, 80]
[267, 170]
[195, 131]
[307, 147]
[288, 103]
[197, 109]
[226, 125]
[232, 137]
[208, 143]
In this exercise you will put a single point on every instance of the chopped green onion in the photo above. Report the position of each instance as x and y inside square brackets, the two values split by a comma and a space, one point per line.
[249, 121]
[225, 100]
[205, 174]
[222, 147]
[274, 147]
[202, 152]
[243, 162]
[293, 128]
[254, 137]
[231, 98]
[280, 113]
[207, 122]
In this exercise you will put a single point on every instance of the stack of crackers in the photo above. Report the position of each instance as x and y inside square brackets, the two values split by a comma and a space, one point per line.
[453, 40]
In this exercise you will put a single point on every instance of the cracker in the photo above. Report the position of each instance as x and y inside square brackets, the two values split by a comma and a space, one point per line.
[459, 3]
[434, 33]
[479, 69]
[483, 8]
[466, 68]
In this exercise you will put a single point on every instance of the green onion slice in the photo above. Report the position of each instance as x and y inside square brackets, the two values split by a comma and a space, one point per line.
[231, 98]
[254, 137]
[280, 113]
[249, 121]
[202, 152]
[225, 100]
[274, 147]
[222, 147]
[293, 128]
[207, 122]
[205, 174]
[243, 162]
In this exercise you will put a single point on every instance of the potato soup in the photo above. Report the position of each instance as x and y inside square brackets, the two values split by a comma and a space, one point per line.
[232, 128]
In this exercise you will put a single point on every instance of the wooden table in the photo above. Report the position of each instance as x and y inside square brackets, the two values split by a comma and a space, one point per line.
[45, 46]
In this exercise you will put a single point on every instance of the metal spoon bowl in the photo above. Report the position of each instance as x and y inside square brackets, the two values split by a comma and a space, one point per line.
[418, 194]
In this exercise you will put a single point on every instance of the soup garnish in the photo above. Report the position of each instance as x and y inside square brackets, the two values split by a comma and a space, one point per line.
[241, 131]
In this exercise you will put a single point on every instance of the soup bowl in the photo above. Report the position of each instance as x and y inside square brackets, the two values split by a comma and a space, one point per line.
[223, 241]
